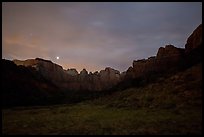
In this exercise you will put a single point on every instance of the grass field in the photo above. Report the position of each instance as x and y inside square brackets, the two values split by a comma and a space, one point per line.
[101, 120]
[171, 106]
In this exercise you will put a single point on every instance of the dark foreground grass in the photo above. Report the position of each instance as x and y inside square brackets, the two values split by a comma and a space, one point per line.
[100, 120]
[171, 106]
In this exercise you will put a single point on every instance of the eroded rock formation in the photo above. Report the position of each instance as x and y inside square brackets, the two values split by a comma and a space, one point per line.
[194, 40]
[70, 79]
[168, 59]
[72, 72]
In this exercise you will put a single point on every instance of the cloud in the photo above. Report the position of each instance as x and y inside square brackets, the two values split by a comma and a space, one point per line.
[95, 35]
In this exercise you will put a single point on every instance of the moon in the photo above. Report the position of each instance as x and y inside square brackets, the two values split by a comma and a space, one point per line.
[57, 57]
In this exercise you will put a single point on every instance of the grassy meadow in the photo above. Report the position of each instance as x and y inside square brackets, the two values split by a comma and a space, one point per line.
[171, 106]
[100, 120]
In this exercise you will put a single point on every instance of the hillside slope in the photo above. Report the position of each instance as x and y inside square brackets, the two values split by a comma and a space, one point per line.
[168, 106]
[183, 89]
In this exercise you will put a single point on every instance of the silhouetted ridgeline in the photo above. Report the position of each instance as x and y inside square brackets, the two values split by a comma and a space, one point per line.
[40, 82]
[24, 86]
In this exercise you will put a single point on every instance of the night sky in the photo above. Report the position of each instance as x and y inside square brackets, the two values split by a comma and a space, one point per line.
[95, 35]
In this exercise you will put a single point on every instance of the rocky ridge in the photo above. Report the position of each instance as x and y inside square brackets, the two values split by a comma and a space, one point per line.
[168, 59]
[70, 79]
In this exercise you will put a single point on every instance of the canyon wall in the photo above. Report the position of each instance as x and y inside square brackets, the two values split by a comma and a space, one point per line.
[168, 59]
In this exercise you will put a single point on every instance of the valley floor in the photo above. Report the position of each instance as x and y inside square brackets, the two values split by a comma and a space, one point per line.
[169, 106]
[101, 120]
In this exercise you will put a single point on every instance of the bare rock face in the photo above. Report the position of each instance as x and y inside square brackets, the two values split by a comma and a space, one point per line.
[143, 67]
[169, 51]
[26, 63]
[122, 75]
[54, 73]
[70, 79]
[49, 70]
[193, 47]
[95, 78]
[129, 74]
[103, 80]
[195, 40]
[109, 76]
[25, 86]
[114, 75]
[83, 72]
[167, 57]
[72, 72]
[83, 76]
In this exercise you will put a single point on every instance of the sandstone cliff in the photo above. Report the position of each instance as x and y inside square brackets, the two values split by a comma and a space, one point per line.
[49, 70]
[193, 47]
[169, 59]
[70, 79]
[195, 40]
